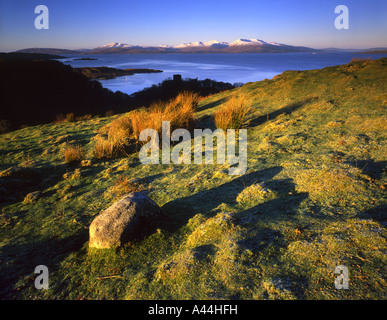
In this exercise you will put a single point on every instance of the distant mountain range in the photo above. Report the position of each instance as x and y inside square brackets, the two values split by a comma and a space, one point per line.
[214, 46]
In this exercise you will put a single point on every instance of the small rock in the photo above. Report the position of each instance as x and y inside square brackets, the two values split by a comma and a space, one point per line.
[124, 221]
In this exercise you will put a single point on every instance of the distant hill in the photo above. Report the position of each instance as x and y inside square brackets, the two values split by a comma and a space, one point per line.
[48, 51]
[374, 52]
[213, 46]
[27, 56]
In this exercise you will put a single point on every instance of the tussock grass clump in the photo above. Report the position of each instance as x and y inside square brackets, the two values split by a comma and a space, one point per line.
[254, 195]
[333, 185]
[145, 119]
[213, 230]
[180, 112]
[119, 134]
[113, 139]
[232, 115]
[73, 154]
[124, 185]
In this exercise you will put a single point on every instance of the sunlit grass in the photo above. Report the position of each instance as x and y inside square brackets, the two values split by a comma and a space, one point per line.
[313, 197]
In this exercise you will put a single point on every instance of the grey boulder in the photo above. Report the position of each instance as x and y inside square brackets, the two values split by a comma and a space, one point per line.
[124, 221]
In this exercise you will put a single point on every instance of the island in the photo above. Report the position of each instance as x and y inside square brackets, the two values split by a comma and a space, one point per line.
[106, 73]
[85, 59]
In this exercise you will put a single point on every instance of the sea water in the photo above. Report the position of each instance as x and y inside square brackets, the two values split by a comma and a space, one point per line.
[232, 68]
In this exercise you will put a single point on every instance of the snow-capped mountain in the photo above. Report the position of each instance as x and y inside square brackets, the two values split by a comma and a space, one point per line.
[215, 43]
[190, 44]
[239, 42]
[212, 43]
[248, 42]
[213, 46]
[115, 45]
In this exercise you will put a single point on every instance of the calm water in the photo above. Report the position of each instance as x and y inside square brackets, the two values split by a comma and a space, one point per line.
[231, 68]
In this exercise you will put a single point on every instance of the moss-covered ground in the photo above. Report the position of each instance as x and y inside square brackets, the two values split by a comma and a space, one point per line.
[313, 197]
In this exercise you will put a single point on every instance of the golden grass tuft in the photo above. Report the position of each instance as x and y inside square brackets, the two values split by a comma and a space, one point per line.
[232, 115]
[73, 153]
[113, 138]
[124, 185]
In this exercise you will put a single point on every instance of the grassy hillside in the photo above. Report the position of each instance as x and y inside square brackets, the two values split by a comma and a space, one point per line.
[313, 198]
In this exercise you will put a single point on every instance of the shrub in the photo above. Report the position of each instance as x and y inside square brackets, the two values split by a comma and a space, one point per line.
[73, 154]
[232, 115]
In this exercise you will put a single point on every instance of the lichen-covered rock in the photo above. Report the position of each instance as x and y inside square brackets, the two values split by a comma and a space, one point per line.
[124, 221]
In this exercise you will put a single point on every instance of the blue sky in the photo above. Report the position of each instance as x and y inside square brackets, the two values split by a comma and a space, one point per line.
[88, 24]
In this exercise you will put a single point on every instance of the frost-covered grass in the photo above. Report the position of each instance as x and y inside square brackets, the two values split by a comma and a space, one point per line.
[313, 197]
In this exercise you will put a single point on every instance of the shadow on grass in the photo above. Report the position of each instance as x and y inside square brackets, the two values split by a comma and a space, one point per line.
[20, 260]
[286, 110]
[212, 104]
[378, 213]
[372, 168]
[17, 185]
[22, 181]
[179, 211]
